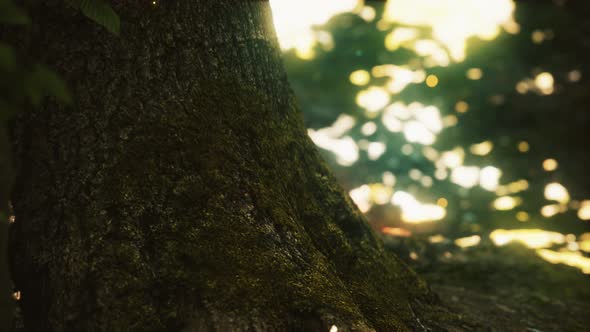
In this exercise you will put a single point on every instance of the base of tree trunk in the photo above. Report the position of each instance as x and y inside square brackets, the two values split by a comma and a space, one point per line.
[181, 192]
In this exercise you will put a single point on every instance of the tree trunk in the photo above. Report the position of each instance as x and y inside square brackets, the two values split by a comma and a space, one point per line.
[181, 192]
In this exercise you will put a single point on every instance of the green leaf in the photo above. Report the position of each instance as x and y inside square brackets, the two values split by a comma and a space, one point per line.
[11, 14]
[101, 13]
[7, 57]
[43, 82]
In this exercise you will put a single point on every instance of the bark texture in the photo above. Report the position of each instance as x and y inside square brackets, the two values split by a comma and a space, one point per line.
[181, 192]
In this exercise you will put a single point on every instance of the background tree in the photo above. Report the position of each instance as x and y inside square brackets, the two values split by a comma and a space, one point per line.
[180, 190]
[24, 82]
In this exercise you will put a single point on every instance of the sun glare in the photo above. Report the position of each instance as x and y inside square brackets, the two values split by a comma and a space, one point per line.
[294, 21]
[453, 21]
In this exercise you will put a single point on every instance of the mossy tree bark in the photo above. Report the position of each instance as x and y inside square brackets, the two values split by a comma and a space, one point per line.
[181, 191]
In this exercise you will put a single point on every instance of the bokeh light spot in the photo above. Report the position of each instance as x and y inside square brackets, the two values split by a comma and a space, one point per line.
[431, 81]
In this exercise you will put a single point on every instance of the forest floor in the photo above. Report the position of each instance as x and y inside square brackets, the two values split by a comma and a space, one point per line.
[502, 289]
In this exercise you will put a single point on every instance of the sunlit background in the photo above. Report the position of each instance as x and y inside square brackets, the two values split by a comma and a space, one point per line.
[447, 118]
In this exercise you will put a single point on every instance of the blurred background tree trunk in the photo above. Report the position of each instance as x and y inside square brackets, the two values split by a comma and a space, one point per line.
[181, 190]
[6, 172]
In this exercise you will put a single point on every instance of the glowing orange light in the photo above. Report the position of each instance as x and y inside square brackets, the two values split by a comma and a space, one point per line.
[396, 231]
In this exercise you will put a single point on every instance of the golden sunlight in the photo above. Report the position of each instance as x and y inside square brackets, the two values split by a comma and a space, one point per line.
[453, 22]
[574, 259]
[556, 192]
[532, 238]
[294, 20]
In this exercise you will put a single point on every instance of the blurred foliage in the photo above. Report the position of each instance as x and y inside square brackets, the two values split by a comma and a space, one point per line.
[23, 84]
[552, 124]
